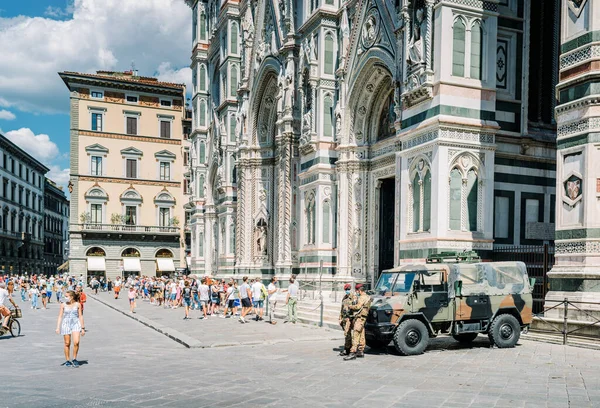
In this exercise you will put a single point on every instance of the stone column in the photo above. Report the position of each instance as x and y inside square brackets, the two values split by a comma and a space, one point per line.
[576, 273]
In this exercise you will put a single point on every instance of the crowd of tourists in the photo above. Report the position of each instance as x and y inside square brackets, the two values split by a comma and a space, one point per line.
[212, 297]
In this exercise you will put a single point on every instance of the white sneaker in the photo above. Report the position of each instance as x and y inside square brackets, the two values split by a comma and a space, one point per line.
[222, 316]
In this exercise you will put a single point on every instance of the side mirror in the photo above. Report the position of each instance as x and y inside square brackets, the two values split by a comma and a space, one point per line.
[458, 288]
[532, 282]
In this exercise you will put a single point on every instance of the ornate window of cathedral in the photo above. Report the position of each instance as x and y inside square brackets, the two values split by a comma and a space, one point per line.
[326, 222]
[202, 26]
[465, 195]
[420, 196]
[233, 47]
[202, 75]
[202, 158]
[328, 115]
[329, 65]
[468, 48]
[234, 80]
[202, 113]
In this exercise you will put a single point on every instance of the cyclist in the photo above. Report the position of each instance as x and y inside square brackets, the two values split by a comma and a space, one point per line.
[4, 311]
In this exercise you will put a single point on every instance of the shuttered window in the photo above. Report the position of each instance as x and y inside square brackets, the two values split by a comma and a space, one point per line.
[131, 126]
[165, 129]
[131, 168]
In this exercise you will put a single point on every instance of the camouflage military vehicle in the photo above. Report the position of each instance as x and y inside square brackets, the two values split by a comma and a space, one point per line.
[414, 302]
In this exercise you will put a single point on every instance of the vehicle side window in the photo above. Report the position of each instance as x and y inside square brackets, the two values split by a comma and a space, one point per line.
[431, 283]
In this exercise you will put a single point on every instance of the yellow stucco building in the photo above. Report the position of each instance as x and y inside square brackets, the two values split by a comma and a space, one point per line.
[127, 174]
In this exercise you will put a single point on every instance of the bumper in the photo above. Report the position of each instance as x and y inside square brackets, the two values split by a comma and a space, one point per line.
[379, 331]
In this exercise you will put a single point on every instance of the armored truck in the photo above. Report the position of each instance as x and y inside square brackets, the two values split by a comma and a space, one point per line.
[415, 302]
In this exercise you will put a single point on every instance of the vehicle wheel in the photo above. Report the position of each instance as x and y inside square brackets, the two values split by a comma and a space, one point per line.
[15, 328]
[505, 331]
[377, 344]
[465, 338]
[411, 337]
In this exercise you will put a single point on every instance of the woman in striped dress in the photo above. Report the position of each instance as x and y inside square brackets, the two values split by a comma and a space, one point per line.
[70, 325]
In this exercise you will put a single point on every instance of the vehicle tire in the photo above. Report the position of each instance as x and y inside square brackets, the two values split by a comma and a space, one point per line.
[505, 331]
[376, 344]
[465, 338]
[411, 337]
[15, 328]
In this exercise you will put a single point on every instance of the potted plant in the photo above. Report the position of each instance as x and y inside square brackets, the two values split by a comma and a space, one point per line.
[116, 219]
[85, 218]
[174, 221]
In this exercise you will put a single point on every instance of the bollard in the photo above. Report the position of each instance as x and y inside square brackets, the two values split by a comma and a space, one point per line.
[565, 325]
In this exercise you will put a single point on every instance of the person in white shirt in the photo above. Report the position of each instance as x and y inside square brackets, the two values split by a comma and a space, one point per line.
[272, 290]
[33, 294]
[204, 296]
[230, 297]
[258, 298]
[118, 285]
[292, 301]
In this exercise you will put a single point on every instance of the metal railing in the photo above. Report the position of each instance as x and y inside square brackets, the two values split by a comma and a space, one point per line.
[564, 330]
[128, 228]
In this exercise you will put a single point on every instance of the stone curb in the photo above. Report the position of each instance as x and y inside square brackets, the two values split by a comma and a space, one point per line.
[190, 342]
[173, 334]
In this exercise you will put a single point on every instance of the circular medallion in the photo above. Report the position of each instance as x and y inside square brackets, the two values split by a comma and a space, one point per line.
[370, 28]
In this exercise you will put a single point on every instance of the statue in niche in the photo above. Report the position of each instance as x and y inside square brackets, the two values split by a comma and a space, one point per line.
[387, 119]
[338, 119]
[416, 44]
[312, 49]
[289, 84]
[261, 237]
[280, 90]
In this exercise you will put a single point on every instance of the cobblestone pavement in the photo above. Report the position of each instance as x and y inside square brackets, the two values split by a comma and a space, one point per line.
[129, 364]
[215, 331]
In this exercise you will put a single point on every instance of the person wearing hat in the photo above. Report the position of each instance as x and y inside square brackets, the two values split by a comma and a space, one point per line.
[360, 310]
[346, 320]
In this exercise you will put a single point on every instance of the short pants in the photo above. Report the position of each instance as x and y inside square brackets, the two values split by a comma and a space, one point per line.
[187, 302]
[259, 304]
[231, 303]
[246, 302]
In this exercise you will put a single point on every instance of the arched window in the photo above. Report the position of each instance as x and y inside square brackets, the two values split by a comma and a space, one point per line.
[455, 199]
[458, 48]
[476, 50]
[128, 252]
[232, 128]
[203, 26]
[194, 81]
[194, 24]
[327, 116]
[232, 169]
[416, 202]
[202, 114]
[202, 153]
[329, 56]
[234, 38]
[326, 222]
[95, 251]
[164, 253]
[201, 186]
[234, 80]
[202, 77]
[232, 238]
[472, 200]
[427, 201]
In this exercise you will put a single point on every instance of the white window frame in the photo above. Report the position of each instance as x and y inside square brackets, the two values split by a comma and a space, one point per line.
[161, 100]
[469, 20]
[102, 211]
[95, 97]
[92, 165]
[159, 170]
[158, 210]
[137, 213]
[166, 118]
[137, 96]
[97, 110]
[130, 114]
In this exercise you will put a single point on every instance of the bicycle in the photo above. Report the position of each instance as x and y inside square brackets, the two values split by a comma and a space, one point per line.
[14, 327]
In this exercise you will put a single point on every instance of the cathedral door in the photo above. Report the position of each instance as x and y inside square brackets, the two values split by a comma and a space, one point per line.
[387, 199]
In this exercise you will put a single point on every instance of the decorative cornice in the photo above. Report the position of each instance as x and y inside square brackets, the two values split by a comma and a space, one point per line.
[136, 182]
[130, 137]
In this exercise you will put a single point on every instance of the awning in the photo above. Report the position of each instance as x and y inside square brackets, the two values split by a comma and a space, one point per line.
[132, 264]
[64, 266]
[96, 263]
[165, 265]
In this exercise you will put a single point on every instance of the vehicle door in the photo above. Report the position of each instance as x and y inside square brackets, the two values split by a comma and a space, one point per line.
[431, 292]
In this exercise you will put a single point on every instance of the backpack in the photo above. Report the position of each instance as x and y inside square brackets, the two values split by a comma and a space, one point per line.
[263, 292]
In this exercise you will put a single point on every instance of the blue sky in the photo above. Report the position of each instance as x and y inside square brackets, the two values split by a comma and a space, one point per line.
[39, 38]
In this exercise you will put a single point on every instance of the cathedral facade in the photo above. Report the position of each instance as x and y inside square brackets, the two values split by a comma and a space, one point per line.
[359, 134]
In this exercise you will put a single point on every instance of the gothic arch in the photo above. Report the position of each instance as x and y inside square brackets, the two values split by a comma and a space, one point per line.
[264, 103]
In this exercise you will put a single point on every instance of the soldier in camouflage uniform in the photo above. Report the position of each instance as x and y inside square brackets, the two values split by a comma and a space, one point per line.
[360, 308]
[346, 319]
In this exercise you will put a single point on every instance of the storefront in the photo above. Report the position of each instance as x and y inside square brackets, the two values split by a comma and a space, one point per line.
[96, 263]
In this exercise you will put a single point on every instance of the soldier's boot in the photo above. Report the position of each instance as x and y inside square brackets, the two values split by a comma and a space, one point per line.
[360, 354]
[344, 352]
[351, 356]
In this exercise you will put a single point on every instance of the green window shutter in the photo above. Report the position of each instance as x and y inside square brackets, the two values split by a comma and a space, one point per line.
[203, 26]
[416, 213]
[201, 186]
[458, 49]
[234, 81]
[327, 116]
[202, 153]
[472, 200]
[427, 202]
[476, 50]
[326, 222]
[202, 114]
[202, 78]
[234, 39]
[455, 199]
[232, 128]
[329, 54]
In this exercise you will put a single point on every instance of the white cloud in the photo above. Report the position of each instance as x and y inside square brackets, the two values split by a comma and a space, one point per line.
[7, 115]
[39, 146]
[177, 76]
[105, 35]
[60, 176]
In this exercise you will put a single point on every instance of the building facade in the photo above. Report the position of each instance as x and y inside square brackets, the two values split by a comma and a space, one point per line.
[21, 211]
[126, 174]
[56, 227]
[363, 134]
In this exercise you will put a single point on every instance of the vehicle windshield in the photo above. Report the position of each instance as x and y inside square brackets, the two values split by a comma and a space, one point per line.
[394, 283]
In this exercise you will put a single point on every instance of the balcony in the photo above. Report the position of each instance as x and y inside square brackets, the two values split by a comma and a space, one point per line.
[120, 231]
